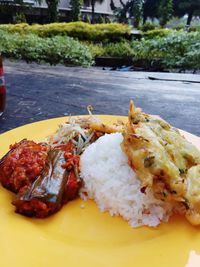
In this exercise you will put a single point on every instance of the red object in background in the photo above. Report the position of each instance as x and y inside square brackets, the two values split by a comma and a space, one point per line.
[2, 89]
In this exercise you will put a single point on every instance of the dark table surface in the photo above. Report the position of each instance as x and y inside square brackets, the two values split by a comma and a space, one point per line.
[37, 92]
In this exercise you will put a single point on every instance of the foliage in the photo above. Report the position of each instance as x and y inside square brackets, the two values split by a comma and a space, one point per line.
[120, 49]
[53, 50]
[97, 50]
[83, 31]
[120, 12]
[183, 7]
[147, 26]
[87, 19]
[76, 9]
[162, 9]
[165, 11]
[176, 23]
[131, 9]
[101, 19]
[176, 50]
[135, 11]
[194, 28]
[22, 5]
[15, 9]
[192, 56]
[155, 9]
[157, 33]
[20, 18]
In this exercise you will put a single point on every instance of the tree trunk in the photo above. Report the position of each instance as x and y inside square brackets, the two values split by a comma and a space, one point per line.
[52, 10]
[92, 4]
[112, 5]
[144, 14]
[136, 23]
[144, 19]
[190, 15]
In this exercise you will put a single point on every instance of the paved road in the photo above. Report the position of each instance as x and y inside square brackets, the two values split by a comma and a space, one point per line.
[37, 92]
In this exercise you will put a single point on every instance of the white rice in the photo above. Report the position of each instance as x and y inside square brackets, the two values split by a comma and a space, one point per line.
[115, 187]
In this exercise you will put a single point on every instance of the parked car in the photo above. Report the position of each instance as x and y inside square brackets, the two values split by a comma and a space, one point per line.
[2, 88]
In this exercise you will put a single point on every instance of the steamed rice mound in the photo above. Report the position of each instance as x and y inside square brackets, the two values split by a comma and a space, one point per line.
[114, 186]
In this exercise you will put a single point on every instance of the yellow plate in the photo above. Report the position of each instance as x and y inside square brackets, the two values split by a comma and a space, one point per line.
[86, 237]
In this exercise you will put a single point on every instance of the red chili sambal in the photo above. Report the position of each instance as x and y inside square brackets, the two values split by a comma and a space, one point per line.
[43, 177]
[58, 183]
[22, 164]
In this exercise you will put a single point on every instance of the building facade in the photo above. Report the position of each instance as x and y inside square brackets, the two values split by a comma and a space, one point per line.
[37, 13]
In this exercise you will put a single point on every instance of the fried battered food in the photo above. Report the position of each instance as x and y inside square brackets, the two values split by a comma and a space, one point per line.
[94, 124]
[164, 160]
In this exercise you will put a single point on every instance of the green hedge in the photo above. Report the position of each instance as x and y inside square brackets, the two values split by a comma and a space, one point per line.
[176, 50]
[120, 49]
[148, 26]
[58, 49]
[157, 33]
[111, 32]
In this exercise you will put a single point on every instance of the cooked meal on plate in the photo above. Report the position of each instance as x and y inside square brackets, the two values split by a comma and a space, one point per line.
[143, 171]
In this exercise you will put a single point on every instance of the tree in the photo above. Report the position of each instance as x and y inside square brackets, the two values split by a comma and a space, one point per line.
[76, 9]
[136, 9]
[160, 9]
[132, 9]
[19, 7]
[52, 9]
[185, 7]
[120, 12]
[13, 10]
[93, 3]
[165, 11]
[150, 9]
[52, 6]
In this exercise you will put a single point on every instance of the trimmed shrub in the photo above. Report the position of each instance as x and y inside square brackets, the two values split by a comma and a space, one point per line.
[58, 49]
[192, 56]
[173, 49]
[194, 28]
[157, 33]
[121, 49]
[176, 50]
[97, 50]
[111, 32]
[148, 26]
